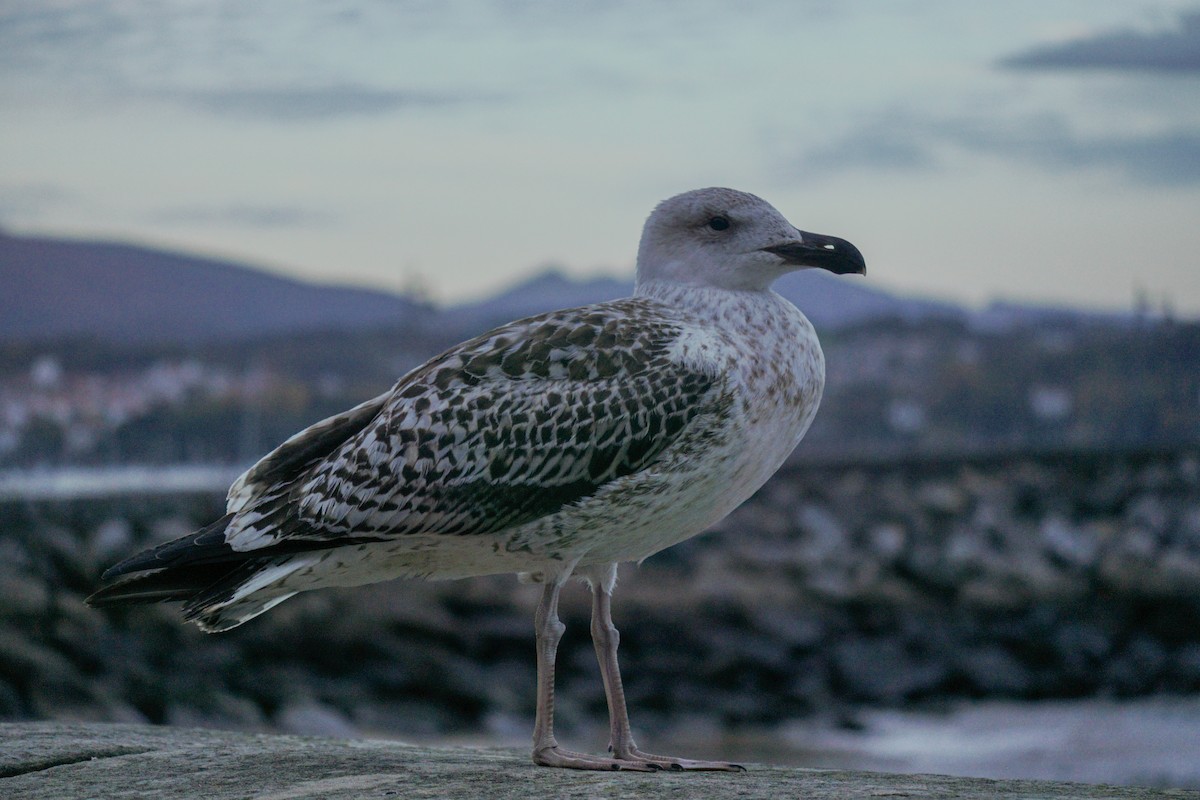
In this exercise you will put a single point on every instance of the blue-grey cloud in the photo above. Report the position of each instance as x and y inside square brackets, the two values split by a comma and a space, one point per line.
[1175, 50]
[907, 142]
[1163, 157]
[304, 103]
[31, 201]
[242, 216]
[33, 34]
[891, 142]
[104, 52]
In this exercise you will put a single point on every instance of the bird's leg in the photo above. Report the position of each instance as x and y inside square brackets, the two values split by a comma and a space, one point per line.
[549, 630]
[606, 638]
[546, 751]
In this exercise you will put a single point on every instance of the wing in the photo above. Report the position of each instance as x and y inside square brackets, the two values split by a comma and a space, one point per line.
[299, 453]
[497, 432]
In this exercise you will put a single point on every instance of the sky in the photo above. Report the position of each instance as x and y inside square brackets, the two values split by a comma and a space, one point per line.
[1028, 150]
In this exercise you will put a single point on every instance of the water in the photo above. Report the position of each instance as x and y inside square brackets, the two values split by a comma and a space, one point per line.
[78, 483]
[1139, 742]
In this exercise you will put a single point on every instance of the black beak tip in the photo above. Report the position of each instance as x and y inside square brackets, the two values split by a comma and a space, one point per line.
[853, 257]
[826, 252]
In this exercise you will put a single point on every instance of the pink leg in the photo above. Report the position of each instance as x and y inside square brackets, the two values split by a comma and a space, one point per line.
[546, 750]
[606, 639]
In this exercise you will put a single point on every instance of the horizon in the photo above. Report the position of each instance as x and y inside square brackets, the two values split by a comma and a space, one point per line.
[544, 270]
[1026, 154]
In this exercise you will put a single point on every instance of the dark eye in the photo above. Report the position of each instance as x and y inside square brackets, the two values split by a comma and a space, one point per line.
[719, 223]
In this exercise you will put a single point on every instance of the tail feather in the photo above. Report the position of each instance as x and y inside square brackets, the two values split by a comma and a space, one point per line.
[220, 587]
[216, 596]
[242, 596]
[167, 584]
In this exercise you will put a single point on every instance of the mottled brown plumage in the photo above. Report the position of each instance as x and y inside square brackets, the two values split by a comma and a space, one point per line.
[553, 446]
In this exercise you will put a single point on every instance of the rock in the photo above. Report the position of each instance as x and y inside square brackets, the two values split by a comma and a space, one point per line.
[315, 719]
[790, 627]
[404, 718]
[51, 761]
[1150, 512]
[1137, 668]
[1074, 546]
[1188, 470]
[820, 537]
[10, 701]
[110, 540]
[217, 710]
[887, 541]
[22, 658]
[1186, 667]
[22, 596]
[1108, 548]
[994, 671]
[1109, 493]
[943, 497]
[883, 670]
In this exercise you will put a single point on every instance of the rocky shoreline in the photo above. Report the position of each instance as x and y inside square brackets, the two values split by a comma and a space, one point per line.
[51, 761]
[838, 586]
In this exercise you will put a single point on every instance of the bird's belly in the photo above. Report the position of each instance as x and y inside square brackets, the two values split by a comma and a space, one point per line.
[684, 499]
[690, 489]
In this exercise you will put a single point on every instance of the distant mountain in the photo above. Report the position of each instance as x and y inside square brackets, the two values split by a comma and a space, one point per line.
[51, 288]
[1003, 315]
[54, 288]
[829, 301]
[832, 301]
[545, 291]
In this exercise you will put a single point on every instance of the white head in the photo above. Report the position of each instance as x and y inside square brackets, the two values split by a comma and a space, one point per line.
[732, 240]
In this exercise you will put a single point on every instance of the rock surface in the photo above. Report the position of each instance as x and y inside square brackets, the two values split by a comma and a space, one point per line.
[59, 761]
[837, 587]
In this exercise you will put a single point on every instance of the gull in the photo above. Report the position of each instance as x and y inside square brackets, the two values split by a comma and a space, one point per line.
[556, 446]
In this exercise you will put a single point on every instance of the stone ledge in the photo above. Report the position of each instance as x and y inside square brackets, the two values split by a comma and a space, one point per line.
[62, 761]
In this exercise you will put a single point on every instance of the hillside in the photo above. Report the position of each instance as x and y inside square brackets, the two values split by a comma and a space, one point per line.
[829, 302]
[56, 288]
[122, 293]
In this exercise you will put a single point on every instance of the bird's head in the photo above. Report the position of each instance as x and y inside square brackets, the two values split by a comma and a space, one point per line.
[733, 240]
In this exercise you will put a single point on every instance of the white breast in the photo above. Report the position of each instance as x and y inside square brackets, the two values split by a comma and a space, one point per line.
[777, 365]
[774, 371]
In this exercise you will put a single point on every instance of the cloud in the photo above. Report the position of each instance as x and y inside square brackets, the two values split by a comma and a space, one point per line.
[103, 52]
[303, 103]
[901, 141]
[242, 216]
[893, 141]
[1176, 50]
[30, 201]
[1161, 158]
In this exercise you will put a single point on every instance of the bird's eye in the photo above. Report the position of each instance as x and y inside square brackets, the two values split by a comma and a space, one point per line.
[719, 223]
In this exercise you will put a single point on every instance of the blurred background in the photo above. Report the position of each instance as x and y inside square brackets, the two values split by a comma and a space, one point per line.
[221, 222]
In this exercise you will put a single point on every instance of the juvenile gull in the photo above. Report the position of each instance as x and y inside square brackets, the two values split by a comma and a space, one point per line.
[555, 446]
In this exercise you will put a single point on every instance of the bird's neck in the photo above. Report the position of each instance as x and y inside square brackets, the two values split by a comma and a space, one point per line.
[698, 296]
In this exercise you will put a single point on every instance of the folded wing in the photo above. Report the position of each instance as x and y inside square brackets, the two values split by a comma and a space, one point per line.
[495, 433]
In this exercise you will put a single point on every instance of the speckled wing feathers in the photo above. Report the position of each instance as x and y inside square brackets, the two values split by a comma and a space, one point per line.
[300, 452]
[497, 432]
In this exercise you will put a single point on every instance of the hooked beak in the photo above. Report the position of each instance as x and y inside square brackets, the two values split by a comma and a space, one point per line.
[827, 252]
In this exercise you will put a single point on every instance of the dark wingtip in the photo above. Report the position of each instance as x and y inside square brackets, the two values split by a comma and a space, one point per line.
[203, 546]
[138, 589]
[136, 563]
